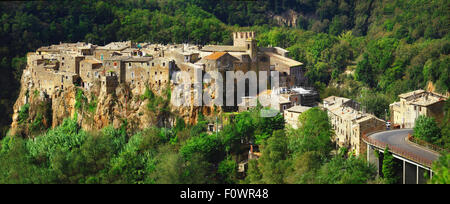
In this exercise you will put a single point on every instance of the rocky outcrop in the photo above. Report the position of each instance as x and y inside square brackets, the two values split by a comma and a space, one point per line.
[287, 18]
[95, 108]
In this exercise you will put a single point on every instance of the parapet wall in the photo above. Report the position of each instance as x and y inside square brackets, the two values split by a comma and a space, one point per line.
[239, 38]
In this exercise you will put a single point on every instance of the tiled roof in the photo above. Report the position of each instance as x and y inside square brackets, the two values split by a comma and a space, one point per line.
[215, 55]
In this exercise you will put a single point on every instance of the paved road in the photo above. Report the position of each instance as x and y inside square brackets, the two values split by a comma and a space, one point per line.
[398, 138]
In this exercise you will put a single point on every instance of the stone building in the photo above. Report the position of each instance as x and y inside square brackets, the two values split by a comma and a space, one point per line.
[90, 71]
[292, 114]
[349, 124]
[57, 67]
[413, 104]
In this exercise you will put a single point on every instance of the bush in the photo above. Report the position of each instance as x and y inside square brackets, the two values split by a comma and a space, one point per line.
[23, 113]
[426, 128]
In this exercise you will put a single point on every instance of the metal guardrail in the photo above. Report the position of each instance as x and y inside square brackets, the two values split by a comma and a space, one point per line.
[397, 150]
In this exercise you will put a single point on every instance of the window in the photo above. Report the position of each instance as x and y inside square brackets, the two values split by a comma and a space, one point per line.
[164, 64]
[132, 75]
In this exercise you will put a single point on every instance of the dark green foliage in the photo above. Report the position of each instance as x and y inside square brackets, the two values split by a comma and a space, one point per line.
[346, 171]
[23, 113]
[314, 133]
[364, 72]
[80, 99]
[204, 144]
[389, 167]
[426, 128]
[227, 171]
[375, 103]
[273, 163]
[68, 154]
[441, 169]
[445, 127]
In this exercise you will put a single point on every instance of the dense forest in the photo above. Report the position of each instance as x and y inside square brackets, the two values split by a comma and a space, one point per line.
[184, 154]
[368, 50]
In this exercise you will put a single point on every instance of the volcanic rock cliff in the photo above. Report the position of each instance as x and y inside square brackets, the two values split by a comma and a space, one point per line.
[96, 108]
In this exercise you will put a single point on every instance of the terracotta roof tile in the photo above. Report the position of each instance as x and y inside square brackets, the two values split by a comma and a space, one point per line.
[215, 55]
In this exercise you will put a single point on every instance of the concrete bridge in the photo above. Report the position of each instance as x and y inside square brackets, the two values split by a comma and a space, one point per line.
[414, 159]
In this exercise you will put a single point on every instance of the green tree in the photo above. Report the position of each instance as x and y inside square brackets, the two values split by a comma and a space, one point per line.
[313, 134]
[346, 171]
[426, 128]
[364, 71]
[441, 169]
[227, 171]
[272, 163]
[389, 167]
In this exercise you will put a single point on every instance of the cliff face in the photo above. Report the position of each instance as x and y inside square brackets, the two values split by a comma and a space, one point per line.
[287, 18]
[95, 108]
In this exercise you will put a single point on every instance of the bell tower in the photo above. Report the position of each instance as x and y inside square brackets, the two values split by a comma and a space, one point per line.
[252, 48]
[239, 38]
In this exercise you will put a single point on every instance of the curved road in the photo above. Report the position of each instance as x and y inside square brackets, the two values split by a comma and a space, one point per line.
[398, 138]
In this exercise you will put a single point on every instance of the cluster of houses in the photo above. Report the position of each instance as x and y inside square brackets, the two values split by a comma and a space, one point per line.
[350, 123]
[57, 67]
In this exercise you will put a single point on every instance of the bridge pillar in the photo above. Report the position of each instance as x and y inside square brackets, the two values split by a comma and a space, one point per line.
[421, 175]
[373, 159]
[409, 173]
[403, 175]
[417, 175]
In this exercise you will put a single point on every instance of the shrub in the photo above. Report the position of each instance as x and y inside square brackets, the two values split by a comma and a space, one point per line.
[23, 113]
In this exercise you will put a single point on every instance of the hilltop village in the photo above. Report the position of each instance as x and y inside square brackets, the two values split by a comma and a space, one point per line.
[58, 67]
[114, 74]
[56, 72]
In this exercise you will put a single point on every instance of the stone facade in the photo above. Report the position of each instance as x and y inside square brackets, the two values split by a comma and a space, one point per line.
[291, 115]
[349, 124]
[58, 67]
[413, 104]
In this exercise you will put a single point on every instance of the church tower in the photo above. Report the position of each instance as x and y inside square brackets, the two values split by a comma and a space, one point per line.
[247, 40]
